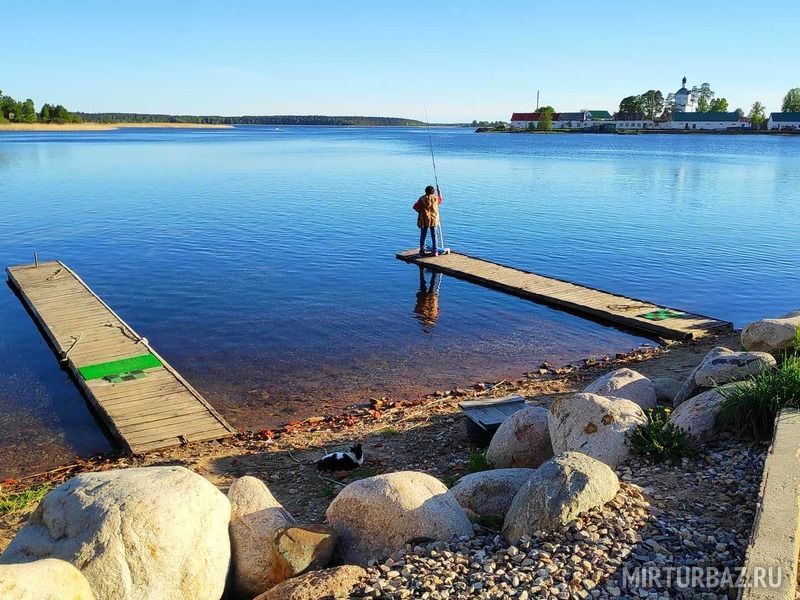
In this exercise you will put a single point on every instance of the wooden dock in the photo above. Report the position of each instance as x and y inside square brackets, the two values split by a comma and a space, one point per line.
[606, 307]
[145, 403]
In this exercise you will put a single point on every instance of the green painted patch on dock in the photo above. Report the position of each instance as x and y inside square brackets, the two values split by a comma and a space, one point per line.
[120, 370]
[662, 314]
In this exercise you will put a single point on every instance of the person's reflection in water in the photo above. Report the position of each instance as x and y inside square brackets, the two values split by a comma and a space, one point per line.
[427, 308]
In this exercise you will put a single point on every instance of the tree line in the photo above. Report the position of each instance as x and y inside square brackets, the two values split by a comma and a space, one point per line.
[12, 111]
[249, 120]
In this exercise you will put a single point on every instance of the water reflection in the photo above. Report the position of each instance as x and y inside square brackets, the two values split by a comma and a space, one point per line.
[427, 308]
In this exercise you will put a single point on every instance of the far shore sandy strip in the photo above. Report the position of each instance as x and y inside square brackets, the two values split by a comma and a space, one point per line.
[104, 126]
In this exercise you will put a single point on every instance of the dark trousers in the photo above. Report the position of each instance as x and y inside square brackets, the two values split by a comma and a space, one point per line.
[423, 233]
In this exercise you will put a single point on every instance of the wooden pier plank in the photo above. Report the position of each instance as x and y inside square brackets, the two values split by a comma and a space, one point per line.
[158, 410]
[597, 304]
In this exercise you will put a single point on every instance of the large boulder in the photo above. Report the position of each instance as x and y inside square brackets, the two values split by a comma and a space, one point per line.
[255, 518]
[522, 440]
[733, 366]
[300, 548]
[772, 335]
[376, 516]
[490, 493]
[46, 579]
[329, 584]
[594, 425]
[698, 415]
[627, 384]
[559, 491]
[146, 534]
[721, 366]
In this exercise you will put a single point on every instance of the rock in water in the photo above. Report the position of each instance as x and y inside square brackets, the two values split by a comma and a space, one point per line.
[560, 490]
[146, 534]
[627, 384]
[317, 585]
[374, 517]
[490, 493]
[698, 415]
[522, 440]
[255, 518]
[736, 366]
[300, 548]
[46, 579]
[594, 425]
[772, 335]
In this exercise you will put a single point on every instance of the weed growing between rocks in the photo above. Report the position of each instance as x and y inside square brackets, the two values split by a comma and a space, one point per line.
[749, 410]
[18, 501]
[478, 461]
[659, 439]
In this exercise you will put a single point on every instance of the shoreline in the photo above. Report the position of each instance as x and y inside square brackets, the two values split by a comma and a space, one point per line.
[745, 132]
[105, 126]
[396, 435]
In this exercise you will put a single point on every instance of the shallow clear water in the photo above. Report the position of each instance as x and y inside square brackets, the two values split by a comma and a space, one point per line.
[260, 261]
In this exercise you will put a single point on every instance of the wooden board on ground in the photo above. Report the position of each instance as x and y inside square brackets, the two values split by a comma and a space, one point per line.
[489, 413]
[147, 408]
[638, 315]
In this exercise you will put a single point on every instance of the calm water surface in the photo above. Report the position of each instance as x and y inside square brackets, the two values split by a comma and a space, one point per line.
[260, 261]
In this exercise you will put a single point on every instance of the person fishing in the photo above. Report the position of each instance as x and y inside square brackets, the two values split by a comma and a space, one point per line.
[427, 208]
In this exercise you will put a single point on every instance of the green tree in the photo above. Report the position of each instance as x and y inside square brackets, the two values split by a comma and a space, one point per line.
[27, 112]
[546, 118]
[718, 105]
[791, 101]
[653, 101]
[44, 114]
[758, 115]
[9, 108]
[702, 96]
[632, 107]
[669, 107]
[739, 112]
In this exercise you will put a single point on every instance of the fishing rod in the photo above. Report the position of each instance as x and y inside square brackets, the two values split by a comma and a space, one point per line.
[445, 250]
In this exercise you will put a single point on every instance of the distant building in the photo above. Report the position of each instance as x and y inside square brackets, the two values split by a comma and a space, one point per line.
[784, 120]
[706, 120]
[635, 124]
[683, 98]
[564, 120]
[522, 120]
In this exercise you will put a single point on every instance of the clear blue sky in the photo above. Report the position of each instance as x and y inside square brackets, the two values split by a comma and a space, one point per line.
[466, 60]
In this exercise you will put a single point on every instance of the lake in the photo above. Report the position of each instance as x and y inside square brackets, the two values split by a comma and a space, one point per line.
[260, 261]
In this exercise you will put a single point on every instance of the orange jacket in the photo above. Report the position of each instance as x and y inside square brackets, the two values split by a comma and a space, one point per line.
[427, 208]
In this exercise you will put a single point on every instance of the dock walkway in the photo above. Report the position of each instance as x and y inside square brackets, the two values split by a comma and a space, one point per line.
[638, 315]
[145, 403]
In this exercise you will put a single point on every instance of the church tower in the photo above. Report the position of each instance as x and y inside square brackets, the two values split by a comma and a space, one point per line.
[682, 98]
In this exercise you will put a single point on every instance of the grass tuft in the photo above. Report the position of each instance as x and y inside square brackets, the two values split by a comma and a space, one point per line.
[20, 501]
[749, 409]
[491, 522]
[450, 479]
[389, 431]
[478, 462]
[659, 439]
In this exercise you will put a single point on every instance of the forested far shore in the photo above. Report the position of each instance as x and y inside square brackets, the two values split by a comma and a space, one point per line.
[249, 120]
[12, 111]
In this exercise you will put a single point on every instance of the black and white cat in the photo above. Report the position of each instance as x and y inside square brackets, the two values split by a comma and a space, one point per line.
[342, 461]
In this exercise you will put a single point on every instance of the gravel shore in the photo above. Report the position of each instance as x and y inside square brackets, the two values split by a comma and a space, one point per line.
[667, 519]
